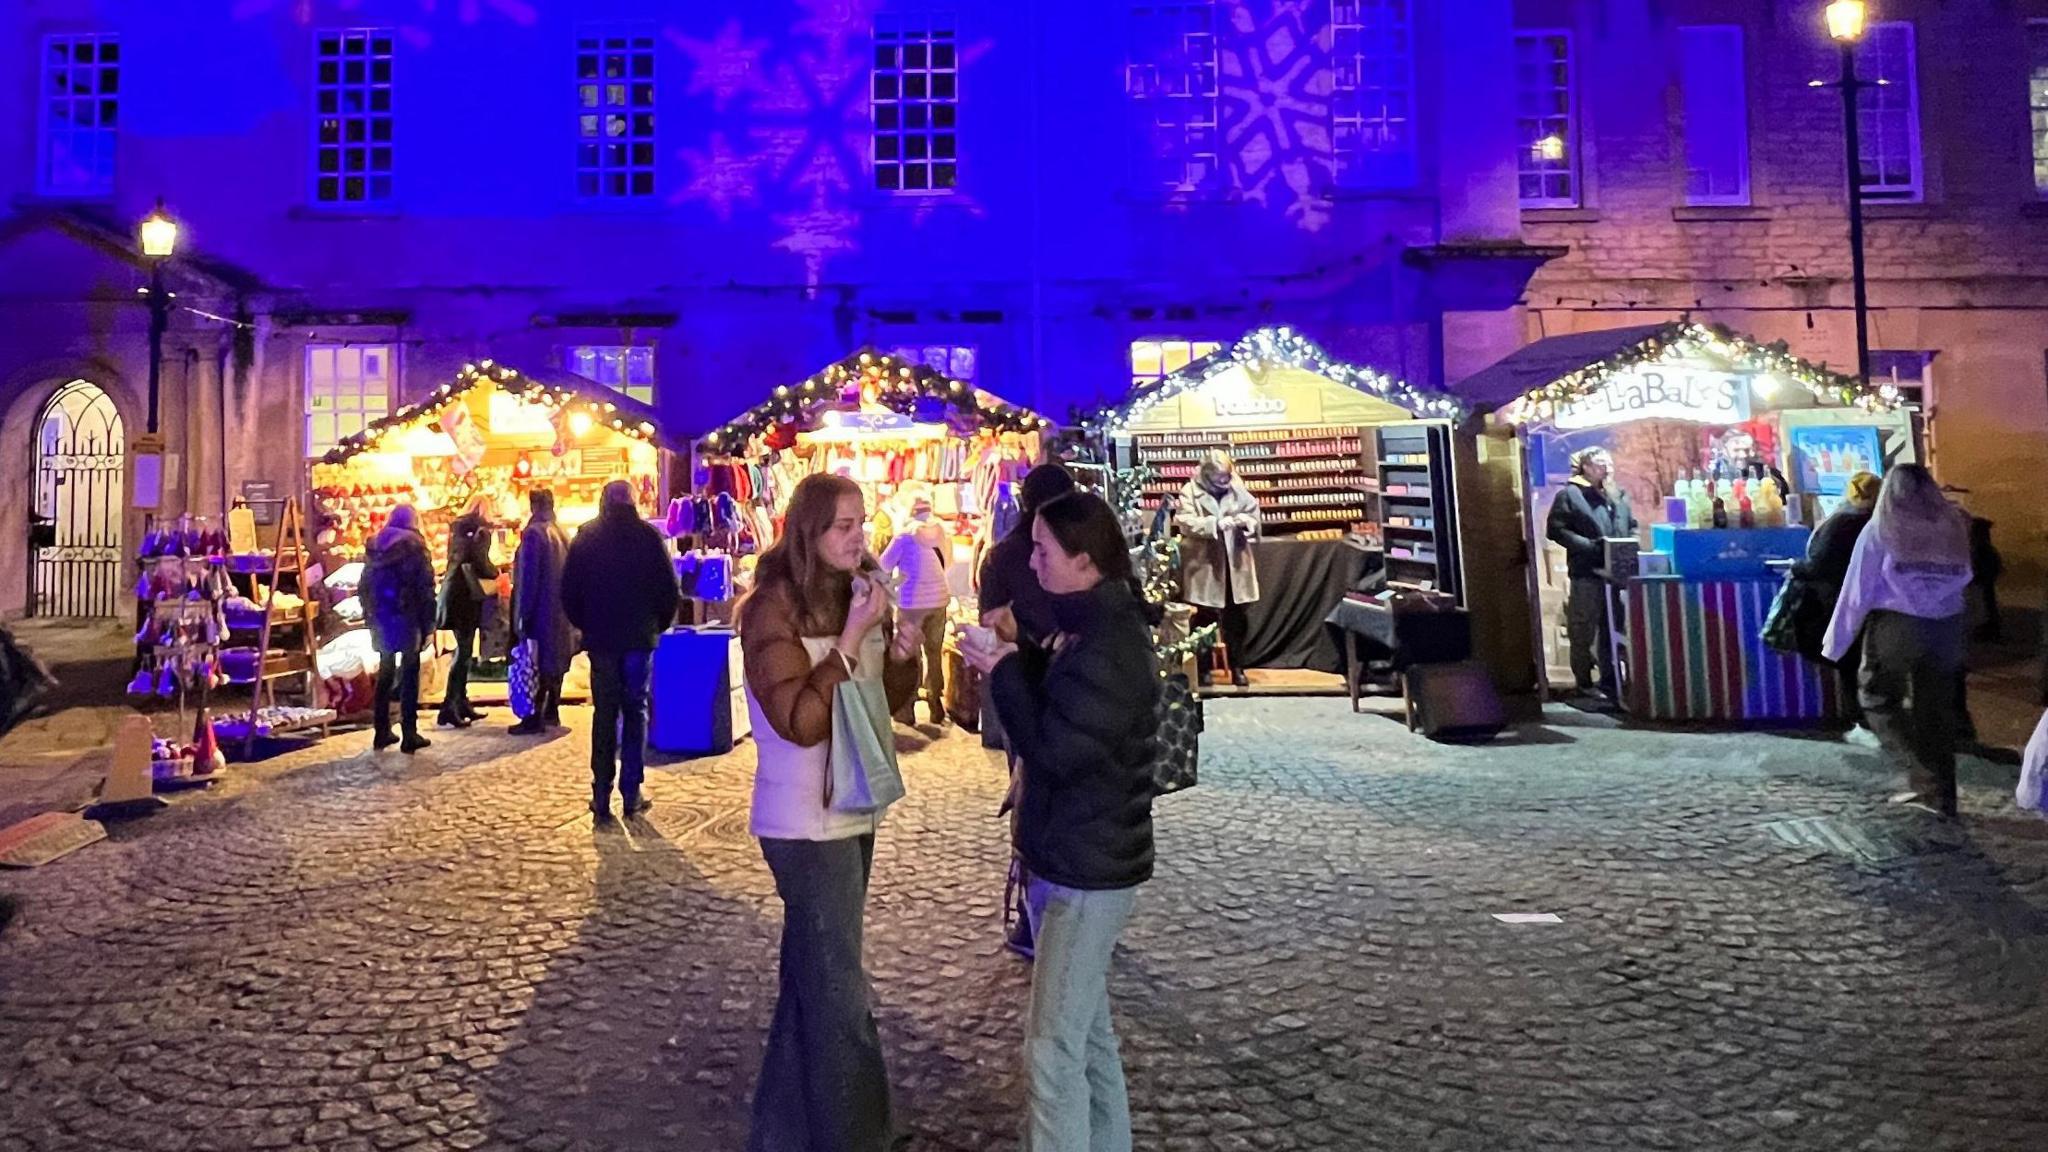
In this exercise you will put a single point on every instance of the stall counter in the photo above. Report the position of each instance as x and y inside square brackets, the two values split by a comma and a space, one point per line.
[1692, 649]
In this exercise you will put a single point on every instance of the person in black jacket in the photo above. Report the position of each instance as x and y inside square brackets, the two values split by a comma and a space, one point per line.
[468, 583]
[398, 601]
[1828, 552]
[1080, 711]
[619, 590]
[1588, 510]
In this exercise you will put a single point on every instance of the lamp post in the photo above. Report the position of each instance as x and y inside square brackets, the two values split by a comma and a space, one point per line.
[1845, 26]
[159, 241]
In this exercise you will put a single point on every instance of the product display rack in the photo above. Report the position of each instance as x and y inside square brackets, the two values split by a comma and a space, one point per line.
[286, 639]
[1419, 515]
[1308, 481]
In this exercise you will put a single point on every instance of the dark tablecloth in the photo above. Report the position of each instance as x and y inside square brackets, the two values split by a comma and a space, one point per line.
[1401, 639]
[1300, 581]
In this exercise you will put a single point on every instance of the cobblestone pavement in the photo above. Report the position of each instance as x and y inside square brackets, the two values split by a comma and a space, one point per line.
[376, 952]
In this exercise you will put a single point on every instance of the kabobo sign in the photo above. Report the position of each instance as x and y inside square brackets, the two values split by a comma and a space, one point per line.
[1672, 392]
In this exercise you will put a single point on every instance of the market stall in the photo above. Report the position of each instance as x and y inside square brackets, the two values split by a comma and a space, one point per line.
[495, 433]
[1729, 451]
[1354, 473]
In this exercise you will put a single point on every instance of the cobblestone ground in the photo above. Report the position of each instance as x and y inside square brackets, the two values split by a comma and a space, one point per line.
[342, 951]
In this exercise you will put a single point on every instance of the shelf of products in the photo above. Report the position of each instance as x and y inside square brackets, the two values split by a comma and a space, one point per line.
[1420, 510]
[273, 631]
[1310, 482]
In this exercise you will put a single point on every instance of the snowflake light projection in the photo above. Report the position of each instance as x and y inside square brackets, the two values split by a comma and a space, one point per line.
[1275, 82]
[796, 129]
[414, 32]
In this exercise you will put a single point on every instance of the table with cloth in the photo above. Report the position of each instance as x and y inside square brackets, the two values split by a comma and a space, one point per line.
[1300, 581]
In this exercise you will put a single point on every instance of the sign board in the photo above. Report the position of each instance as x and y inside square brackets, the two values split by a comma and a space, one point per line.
[1701, 393]
[264, 500]
[146, 492]
[1827, 457]
[1233, 404]
[869, 420]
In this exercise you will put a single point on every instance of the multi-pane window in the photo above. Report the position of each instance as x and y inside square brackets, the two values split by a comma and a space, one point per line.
[1372, 100]
[347, 387]
[1155, 360]
[621, 368]
[1547, 140]
[916, 102]
[1171, 80]
[352, 158]
[1716, 108]
[956, 361]
[2037, 98]
[81, 111]
[614, 115]
[1889, 113]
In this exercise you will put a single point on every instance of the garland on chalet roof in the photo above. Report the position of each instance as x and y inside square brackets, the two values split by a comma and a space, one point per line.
[606, 408]
[888, 380]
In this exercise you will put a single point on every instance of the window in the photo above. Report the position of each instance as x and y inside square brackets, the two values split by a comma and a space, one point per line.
[1889, 113]
[1716, 109]
[1372, 102]
[916, 103]
[1548, 137]
[614, 116]
[347, 387]
[2037, 98]
[81, 110]
[353, 125]
[955, 361]
[1155, 360]
[1171, 82]
[622, 369]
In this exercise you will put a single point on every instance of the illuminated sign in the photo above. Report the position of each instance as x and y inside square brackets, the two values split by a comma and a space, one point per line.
[1698, 393]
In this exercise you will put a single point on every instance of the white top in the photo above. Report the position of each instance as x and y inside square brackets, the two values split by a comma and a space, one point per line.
[1877, 581]
[789, 780]
[922, 555]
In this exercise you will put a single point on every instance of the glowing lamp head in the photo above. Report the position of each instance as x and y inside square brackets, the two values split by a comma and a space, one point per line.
[579, 424]
[1846, 20]
[1549, 149]
[159, 233]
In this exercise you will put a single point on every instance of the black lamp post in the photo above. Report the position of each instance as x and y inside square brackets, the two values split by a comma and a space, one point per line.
[159, 241]
[1845, 26]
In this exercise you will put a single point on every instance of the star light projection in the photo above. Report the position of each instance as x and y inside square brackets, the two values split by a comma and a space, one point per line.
[1275, 85]
[797, 129]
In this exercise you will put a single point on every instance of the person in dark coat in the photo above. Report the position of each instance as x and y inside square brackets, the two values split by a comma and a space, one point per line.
[1081, 713]
[398, 601]
[619, 590]
[537, 615]
[1828, 552]
[463, 592]
[1011, 601]
[1587, 511]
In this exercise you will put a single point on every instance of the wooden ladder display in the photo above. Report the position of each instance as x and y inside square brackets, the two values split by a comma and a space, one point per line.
[288, 557]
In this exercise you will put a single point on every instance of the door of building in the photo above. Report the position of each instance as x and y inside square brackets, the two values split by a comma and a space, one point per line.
[78, 566]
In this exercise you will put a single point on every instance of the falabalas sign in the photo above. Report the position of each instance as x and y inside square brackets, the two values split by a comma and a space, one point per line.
[1699, 393]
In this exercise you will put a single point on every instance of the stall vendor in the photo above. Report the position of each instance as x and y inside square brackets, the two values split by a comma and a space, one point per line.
[1587, 511]
[1219, 522]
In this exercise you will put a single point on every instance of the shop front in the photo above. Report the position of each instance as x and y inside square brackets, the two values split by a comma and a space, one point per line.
[1355, 475]
[1729, 452]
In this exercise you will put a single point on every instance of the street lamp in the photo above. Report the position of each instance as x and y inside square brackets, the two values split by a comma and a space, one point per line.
[159, 241]
[1845, 26]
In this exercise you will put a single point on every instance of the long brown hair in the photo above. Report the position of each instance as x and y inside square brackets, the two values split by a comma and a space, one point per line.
[791, 566]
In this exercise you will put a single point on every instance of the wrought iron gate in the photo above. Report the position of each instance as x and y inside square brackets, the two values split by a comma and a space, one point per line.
[81, 448]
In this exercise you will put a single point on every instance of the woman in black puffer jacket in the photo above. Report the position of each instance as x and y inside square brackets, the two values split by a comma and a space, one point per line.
[1080, 714]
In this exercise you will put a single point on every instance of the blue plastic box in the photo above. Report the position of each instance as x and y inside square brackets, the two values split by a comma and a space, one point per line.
[1723, 553]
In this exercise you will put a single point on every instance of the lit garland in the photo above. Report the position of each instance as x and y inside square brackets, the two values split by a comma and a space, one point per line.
[890, 381]
[1275, 347]
[1173, 655]
[1687, 338]
[607, 409]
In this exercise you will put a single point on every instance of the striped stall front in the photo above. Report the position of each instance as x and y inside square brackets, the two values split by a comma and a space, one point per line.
[1694, 651]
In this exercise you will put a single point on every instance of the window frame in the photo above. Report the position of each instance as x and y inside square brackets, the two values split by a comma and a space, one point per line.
[1141, 100]
[921, 354]
[102, 186]
[314, 446]
[1525, 148]
[625, 387]
[340, 202]
[1741, 198]
[2037, 101]
[634, 44]
[1196, 348]
[899, 30]
[1357, 168]
[1875, 84]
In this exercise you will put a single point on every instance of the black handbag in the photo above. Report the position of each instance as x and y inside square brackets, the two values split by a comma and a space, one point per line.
[1180, 736]
[1797, 623]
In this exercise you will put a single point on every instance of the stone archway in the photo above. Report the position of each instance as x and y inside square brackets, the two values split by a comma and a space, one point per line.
[78, 505]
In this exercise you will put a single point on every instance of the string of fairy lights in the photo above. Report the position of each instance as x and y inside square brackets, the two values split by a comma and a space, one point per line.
[626, 419]
[1265, 348]
[1686, 338]
[881, 378]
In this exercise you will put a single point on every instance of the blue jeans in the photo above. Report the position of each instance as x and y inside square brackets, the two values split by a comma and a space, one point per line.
[1078, 1102]
[618, 733]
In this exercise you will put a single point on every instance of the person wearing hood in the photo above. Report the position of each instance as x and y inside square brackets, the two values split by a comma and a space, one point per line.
[619, 590]
[1904, 596]
[537, 615]
[1219, 522]
[1587, 511]
[397, 594]
[1081, 713]
[1828, 552]
[468, 583]
[919, 556]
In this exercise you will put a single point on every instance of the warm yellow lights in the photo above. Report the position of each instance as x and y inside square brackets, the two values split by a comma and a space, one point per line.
[1550, 149]
[579, 424]
[159, 233]
[1846, 19]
